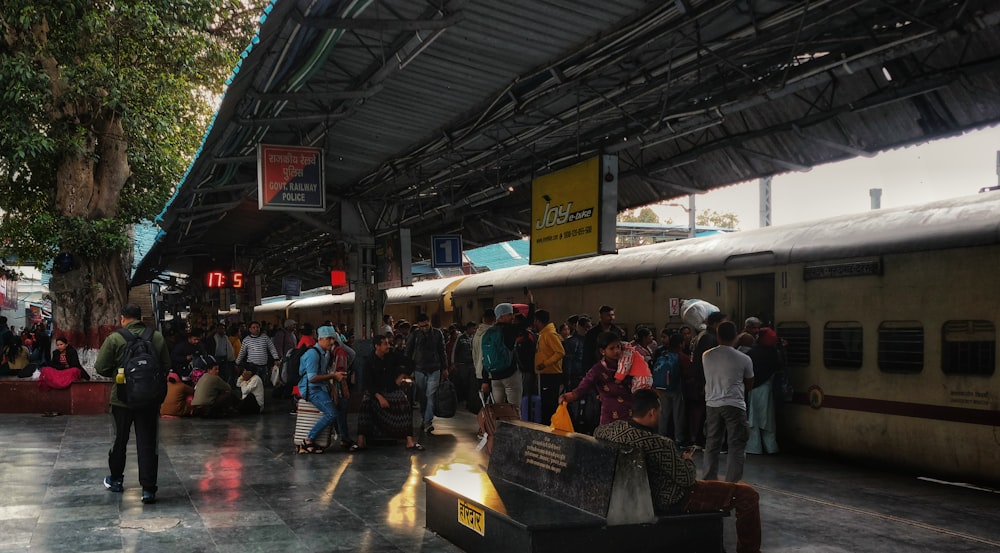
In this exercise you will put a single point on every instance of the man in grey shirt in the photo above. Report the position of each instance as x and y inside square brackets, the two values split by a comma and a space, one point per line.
[728, 377]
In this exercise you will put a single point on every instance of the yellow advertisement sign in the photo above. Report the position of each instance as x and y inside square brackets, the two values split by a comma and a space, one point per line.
[472, 517]
[566, 210]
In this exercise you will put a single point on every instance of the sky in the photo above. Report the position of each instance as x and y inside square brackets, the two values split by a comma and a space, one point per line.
[945, 168]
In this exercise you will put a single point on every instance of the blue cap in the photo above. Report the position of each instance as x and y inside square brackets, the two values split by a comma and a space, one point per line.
[326, 332]
[503, 309]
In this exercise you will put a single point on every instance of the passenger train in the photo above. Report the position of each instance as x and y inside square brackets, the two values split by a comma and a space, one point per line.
[889, 317]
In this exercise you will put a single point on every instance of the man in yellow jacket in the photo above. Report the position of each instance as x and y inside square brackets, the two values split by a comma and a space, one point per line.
[548, 363]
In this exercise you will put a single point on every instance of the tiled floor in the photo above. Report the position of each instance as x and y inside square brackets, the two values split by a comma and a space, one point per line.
[236, 486]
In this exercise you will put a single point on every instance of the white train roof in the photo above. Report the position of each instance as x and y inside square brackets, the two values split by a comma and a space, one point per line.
[958, 222]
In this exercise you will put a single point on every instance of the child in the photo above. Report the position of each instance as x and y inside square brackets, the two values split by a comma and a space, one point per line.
[616, 396]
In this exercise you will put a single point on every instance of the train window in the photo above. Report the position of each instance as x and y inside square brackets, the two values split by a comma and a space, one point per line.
[901, 346]
[842, 345]
[968, 347]
[796, 335]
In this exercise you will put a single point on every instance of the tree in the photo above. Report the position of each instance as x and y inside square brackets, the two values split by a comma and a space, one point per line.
[712, 218]
[104, 104]
[644, 215]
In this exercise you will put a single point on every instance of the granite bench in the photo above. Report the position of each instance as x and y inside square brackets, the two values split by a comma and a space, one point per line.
[547, 490]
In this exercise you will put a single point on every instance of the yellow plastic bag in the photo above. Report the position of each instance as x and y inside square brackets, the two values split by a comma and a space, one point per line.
[561, 419]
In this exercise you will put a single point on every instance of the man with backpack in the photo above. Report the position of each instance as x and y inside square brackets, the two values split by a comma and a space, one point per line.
[500, 365]
[425, 349]
[668, 369]
[145, 357]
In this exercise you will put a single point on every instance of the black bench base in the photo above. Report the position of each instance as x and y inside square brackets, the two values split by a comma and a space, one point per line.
[479, 515]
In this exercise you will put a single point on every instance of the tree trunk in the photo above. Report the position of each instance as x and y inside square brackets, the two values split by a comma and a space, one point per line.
[87, 301]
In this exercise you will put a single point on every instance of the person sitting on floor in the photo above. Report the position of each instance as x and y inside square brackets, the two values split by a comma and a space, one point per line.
[179, 397]
[385, 406]
[213, 397]
[252, 392]
[672, 474]
[66, 357]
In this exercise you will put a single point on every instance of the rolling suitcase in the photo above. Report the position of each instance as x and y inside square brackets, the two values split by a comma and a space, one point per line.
[531, 404]
[489, 416]
[306, 416]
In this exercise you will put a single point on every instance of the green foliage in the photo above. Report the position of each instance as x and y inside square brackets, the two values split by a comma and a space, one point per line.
[644, 215]
[712, 218]
[67, 67]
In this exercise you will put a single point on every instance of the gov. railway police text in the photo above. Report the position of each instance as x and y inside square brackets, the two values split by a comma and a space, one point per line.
[293, 168]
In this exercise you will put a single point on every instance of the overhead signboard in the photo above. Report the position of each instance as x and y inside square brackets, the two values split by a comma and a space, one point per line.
[446, 250]
[290, 178]
[573, 211]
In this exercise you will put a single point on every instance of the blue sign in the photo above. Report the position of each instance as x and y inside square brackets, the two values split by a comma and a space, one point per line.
[446, 250]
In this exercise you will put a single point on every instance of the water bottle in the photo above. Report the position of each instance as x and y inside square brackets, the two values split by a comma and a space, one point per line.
[120, 377]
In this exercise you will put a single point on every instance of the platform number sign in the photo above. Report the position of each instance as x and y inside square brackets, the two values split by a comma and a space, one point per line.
[446, 250]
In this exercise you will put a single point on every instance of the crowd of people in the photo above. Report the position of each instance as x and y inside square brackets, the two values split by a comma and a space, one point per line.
[708, 388]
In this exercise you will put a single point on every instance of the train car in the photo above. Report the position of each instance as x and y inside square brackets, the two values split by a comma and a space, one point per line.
[274, 312]
[432, 297]
[890, 319]
[318, 309]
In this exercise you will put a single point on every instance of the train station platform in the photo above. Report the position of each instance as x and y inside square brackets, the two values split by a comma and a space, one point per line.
[237, 486]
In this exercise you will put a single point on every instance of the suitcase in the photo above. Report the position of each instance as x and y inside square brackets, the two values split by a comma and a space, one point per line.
[531, 404]
[531, 409]
[306, 416]
[489, 416]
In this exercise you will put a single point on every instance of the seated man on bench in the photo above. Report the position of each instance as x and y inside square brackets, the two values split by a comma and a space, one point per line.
[672, 474]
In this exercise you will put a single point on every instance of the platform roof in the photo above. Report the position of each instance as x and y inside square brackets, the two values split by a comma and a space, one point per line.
[429, 112]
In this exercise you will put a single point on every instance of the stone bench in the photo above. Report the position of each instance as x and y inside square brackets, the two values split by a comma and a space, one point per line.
[81, 398]
[547, 490]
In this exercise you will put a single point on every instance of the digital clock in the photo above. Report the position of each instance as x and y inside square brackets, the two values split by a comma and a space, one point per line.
[223, 279]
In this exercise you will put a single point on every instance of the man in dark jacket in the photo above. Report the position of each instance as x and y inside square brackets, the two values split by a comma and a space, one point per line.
[425, 349]
[109, 359]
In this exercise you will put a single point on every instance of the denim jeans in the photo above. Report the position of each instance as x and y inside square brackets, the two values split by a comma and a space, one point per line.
[425, 386]
[319, 397]
[720, 422]
[673, 422]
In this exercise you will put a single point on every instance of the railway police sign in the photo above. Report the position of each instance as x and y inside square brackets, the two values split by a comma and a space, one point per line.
[290, 178]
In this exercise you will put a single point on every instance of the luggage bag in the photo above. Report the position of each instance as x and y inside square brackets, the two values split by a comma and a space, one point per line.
[306, 416]
[489, 416]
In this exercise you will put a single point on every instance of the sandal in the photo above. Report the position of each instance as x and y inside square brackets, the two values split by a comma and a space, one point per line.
[356, 448]
[415, 447]
[310, 447]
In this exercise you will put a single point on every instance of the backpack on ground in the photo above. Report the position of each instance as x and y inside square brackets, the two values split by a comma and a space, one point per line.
[145, 380]
[496, 357]
[289, 369]
[667, 371]
[524, 351]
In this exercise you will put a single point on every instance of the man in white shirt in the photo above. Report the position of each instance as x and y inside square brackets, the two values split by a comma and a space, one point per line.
[251, 392]
[728, 377]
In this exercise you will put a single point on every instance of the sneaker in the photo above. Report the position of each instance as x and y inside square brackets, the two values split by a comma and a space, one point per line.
[114, 484]
[148, 497]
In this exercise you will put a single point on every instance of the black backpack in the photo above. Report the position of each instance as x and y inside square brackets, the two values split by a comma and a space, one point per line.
[145, 380]
[289, 369]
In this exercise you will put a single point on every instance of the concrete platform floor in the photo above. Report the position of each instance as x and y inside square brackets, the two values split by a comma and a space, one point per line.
[236, 486]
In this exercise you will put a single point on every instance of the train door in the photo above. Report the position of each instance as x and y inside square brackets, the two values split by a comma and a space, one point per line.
[755, 298]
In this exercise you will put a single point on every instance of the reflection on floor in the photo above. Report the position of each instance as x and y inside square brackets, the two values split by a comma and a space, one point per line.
[237, 486]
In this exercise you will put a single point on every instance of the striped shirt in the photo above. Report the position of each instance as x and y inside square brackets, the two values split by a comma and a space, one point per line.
[255, 350]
